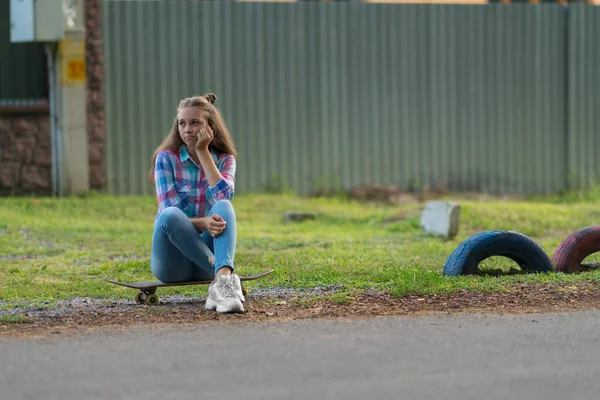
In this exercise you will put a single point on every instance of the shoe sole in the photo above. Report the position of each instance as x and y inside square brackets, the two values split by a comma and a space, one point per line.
[235, 307]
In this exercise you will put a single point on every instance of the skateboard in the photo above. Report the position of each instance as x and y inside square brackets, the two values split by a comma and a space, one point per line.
[147, 290]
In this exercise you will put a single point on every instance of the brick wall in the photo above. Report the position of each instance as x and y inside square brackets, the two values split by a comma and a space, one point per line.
[95, 100]
[25, 149]
[25, 154]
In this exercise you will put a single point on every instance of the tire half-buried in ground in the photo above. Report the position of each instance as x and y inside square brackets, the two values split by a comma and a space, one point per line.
[465, 259]
[575, 248]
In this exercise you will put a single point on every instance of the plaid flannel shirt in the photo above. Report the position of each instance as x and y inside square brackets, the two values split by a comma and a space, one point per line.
[183, 184]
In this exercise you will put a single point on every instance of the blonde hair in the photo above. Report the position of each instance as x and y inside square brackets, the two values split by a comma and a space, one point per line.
[222, 142]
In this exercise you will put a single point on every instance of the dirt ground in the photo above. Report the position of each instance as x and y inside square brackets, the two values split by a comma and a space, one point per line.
[524, 298]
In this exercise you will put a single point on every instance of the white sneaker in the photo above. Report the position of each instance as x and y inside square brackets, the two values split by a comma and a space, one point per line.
[237, 286]
[225, 294]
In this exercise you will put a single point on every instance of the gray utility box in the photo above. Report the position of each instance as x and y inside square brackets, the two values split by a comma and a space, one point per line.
[36, 21]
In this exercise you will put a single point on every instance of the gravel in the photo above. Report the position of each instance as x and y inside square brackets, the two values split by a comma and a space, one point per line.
[90, 305]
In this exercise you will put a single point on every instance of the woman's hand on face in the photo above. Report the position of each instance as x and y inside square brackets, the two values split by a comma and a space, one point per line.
[215, 225]
[205, 136]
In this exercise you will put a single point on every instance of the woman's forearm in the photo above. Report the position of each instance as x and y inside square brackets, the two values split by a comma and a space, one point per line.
[213, 175]
[199, 223]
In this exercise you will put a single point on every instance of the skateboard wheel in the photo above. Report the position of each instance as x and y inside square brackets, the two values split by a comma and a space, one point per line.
[152, 299]
[139, 298]
[244, 292]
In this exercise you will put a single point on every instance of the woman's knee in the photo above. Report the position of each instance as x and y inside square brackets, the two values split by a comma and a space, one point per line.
[170, 215]
[224, 208]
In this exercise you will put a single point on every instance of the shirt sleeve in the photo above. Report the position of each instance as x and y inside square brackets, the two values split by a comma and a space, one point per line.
[224, 189]
[164, 178]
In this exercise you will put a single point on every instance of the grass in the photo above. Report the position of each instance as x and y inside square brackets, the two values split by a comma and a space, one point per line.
[14, 319]
[52, 249]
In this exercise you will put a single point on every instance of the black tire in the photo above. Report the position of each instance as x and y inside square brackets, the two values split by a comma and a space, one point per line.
[465, 259]
[575, 248]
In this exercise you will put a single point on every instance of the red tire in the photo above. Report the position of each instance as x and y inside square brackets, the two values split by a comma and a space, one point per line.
[575, 248]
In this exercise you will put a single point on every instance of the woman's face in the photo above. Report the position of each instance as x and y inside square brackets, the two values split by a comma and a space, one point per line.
[190, 120]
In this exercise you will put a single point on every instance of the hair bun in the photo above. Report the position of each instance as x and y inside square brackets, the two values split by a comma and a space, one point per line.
[210, 97]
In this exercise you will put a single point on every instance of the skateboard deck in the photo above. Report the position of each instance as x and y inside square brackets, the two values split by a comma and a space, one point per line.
[147, 290]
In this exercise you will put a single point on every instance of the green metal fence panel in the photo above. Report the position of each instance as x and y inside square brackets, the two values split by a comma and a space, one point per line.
[23, 76]
[327, 94]
[583, 141]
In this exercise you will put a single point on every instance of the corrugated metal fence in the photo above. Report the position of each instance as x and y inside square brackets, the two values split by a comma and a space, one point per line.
[584, 96]
[327, 94]
[22, 66]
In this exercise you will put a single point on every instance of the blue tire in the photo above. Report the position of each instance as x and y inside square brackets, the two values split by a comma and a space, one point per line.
[520, 248]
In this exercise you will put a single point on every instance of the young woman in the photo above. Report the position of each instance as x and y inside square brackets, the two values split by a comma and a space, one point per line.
[194, 236]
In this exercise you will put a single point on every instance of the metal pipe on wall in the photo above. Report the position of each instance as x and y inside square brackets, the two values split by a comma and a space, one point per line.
[55, 129]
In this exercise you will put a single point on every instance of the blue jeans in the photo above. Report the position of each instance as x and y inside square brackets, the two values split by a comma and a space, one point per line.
[182, 254]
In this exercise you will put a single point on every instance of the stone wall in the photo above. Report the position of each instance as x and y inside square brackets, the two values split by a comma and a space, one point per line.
[95, 86]
[25, 154]
[25, 151]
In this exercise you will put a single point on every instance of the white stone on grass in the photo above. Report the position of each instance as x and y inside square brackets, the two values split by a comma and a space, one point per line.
[440, 218]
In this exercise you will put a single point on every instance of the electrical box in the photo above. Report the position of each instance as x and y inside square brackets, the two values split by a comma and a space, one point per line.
[36, 21]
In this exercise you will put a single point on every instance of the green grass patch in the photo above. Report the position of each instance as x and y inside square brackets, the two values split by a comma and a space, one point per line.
[14, 319]
[53, 249]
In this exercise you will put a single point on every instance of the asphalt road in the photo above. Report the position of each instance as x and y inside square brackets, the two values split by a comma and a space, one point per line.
[446, 357]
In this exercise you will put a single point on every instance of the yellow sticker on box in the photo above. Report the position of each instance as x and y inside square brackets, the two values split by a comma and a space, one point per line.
[75, 70]
[72, 60]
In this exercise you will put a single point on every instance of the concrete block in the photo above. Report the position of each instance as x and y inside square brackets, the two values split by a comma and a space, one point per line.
[440, 218]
